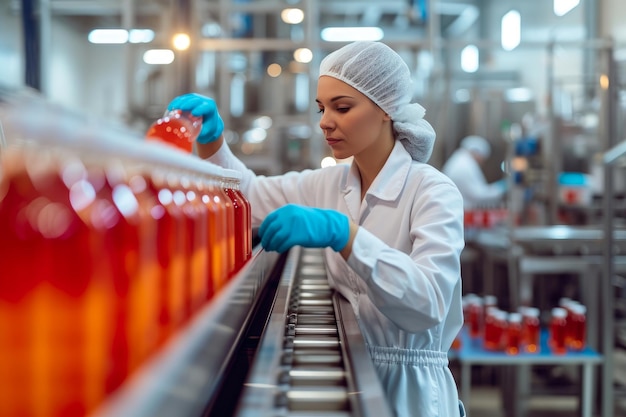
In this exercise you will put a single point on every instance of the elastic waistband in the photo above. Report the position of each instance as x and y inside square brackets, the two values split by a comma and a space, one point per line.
[415, 357]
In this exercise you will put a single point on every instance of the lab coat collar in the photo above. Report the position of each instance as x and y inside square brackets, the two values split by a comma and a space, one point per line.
[390, 180]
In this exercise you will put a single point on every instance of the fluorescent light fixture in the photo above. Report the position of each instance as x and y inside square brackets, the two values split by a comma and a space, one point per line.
[562, 7]
[511, 30]
[140, 35]
[519, 94]
[158, 56]
[108, 36]
[119, 36]
[470, 58]
[350, 34]
[292, 16]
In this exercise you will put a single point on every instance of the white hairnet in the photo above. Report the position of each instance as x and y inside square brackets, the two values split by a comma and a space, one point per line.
[378, 72]
[477, 144]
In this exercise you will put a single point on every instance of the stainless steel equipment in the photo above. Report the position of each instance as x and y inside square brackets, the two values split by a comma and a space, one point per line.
[277, 335]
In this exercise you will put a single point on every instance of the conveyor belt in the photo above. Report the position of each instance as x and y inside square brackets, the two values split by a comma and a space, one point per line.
[312, 359]
[278, 324]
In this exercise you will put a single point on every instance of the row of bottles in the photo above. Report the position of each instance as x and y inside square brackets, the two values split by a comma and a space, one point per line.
[485, 217]
[520, 331]
[103, 259]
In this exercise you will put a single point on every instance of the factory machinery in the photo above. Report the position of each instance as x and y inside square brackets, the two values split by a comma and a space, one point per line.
[277, 341]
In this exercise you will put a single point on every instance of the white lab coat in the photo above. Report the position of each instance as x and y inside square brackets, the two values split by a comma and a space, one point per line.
[463, 169]
[403, 277]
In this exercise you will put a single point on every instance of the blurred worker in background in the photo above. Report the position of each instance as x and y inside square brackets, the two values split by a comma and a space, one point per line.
[392, 225]
[464, 168]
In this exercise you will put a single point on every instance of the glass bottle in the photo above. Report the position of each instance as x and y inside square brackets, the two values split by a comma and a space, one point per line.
[176, 128]
[514, 334]
[558, 326]
[578, 326]
[475, 317]
[531, 328]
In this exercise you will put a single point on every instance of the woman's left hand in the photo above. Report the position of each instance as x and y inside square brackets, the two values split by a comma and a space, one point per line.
[294, 225]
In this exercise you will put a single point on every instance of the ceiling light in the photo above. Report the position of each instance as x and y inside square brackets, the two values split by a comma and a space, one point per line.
[511, 30]
[181, 41]
[292, 16]
[108, 36]
[303, 55]
[470, 58]
[562, 7]
[350, 34]
[158, 56]
[140, 36]
[519, 94]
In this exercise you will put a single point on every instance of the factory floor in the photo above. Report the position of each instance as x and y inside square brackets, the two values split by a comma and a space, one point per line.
[487, 402]
[486, 398]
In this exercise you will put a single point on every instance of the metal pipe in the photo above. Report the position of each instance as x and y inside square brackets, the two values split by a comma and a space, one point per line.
[607, 301]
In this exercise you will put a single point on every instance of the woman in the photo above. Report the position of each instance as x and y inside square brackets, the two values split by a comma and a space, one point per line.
[391, 224]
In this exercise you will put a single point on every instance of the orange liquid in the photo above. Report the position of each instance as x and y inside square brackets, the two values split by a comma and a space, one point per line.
[217, 231]
[240, 227]
[226, 202]
[557, 336]
[57, 340]
[22, 296]
[120, 250]
[248, 225]
[475, 319]
[199, 263]
[144, 286]
[175, 129]
[531, 330]
[513, 338]
[492, 333]
[172, 255]
[180, 303]
[578, 325]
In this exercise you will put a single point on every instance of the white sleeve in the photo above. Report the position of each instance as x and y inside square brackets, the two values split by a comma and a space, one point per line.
[415, 290]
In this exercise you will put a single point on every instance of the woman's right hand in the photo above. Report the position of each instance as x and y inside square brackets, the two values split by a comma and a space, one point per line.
[201, 106]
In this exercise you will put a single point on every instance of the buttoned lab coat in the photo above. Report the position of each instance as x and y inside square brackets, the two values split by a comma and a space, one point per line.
[466, 173]
[403, 276]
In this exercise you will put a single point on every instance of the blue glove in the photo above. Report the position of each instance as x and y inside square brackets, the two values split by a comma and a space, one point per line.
[294, 225]
[201, 106]
[502, 184]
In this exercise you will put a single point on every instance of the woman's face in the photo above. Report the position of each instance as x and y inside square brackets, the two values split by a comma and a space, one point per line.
[351, 122]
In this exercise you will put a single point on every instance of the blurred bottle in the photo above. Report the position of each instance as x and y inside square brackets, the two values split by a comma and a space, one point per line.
[172, 252]
[248, 220]
[242, 215]
[199, 277]
[217, 231]
[230, 226]
[558, 327]
[531, 329]
[514, 334]
[177, 128]
[578, 326]
[475, 317]
[145, 286]
[491, 332]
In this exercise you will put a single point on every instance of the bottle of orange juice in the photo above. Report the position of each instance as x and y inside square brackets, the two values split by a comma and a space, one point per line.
[177, 128]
